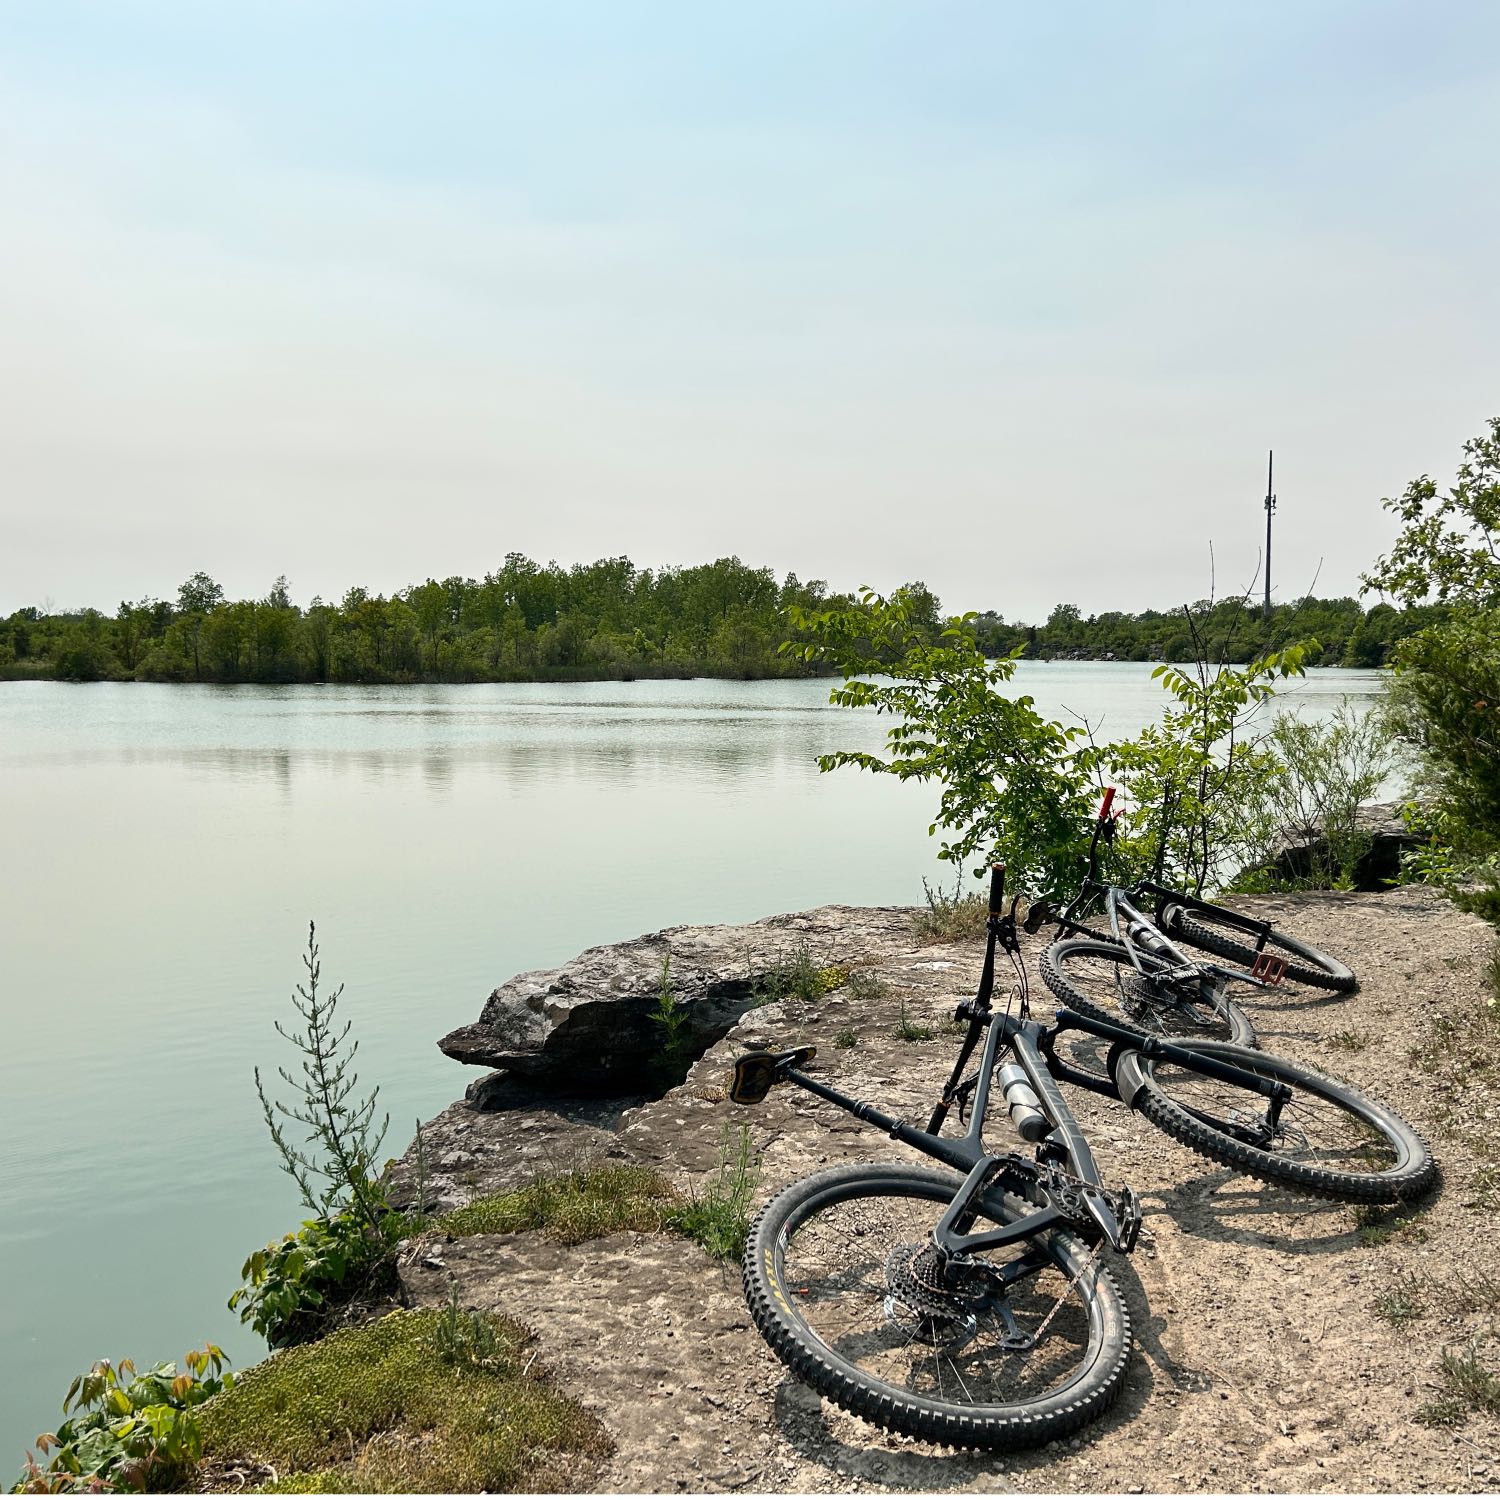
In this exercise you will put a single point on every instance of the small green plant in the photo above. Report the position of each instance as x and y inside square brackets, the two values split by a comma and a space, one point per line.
[671, 1017]
[1378, 1226]
[866, 985]
[718, 1218]
[128, 1431]
[1445, 1411]
[290, 1286]
[1466, 1379]
[342, 1140]
[1402, 1304]
[467, 1338]
[1351, 1041]
[907, 1030]
[951, 918]
[798, 976]
[844, 1038]
[585, 1203]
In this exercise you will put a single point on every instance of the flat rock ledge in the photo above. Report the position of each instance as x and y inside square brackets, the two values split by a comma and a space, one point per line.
[586, 1028]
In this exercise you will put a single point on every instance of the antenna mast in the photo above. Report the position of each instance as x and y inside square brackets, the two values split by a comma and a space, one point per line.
[1270, 506]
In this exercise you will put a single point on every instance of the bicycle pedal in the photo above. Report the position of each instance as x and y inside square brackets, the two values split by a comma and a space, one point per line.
[1268, 968]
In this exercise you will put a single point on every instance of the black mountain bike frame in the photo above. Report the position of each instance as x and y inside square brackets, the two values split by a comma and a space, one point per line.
[1063, 1182]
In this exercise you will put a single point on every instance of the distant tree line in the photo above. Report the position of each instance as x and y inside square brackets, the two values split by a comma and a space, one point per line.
[1231, 630]
[527, 622]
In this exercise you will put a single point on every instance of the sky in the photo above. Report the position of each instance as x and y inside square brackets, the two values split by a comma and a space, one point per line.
[1011, 298]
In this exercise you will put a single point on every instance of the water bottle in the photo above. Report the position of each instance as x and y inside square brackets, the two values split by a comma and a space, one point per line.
[1025, 1108]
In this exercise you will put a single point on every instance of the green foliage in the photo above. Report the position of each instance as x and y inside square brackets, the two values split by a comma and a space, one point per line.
[950, 919]
[1445, 700]
[334, 1165]
[907, 1030]
[1445, 704]
[582, 1204]
[866, 985]
[845, 1038]
[291, 1286]
[467, 1338]
[1197, 780]
[1020, 788]
[1449, 547]
[718, 1217]
[671, 1017]
[370, 1409]
[799, 976]
[1012, 783]
[128, 1431]
[1321, 773]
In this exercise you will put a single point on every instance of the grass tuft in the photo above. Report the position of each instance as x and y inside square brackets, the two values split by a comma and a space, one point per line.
[583, 1204]
[718, 1218]
[798, 976]
[1379, 1225]
[950, 919]
[907, 1030]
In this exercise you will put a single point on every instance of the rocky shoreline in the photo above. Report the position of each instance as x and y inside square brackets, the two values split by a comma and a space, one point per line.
[1264, 1361]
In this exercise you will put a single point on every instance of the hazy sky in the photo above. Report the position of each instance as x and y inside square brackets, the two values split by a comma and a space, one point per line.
[1009, 297]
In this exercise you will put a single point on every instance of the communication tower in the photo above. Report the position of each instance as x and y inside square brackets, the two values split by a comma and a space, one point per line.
[1270, 507]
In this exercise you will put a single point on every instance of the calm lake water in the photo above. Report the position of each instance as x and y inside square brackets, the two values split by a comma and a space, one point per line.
[165, 848]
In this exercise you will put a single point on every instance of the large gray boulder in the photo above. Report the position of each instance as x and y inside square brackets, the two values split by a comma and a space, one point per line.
[586, 1027]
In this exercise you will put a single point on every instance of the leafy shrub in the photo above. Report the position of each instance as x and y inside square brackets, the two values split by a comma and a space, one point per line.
[291, 1286]
[798, 976]
[1021, 788]
[129, 1431]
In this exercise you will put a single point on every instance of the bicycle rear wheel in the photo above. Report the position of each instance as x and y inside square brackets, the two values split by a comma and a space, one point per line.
[1225, 933]
[1329, 1140]
[1017, 1347]
[1096, 977]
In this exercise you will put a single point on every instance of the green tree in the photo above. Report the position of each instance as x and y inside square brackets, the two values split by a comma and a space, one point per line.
[1446, 693]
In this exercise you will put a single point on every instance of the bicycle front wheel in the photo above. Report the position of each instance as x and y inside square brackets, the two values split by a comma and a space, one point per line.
[1095, 976]
[1220, 931]
[1012, 1349]
[1329, 1140]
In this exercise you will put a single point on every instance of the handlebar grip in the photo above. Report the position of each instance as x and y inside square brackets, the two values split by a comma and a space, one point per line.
[997, 889]
[1109, 796]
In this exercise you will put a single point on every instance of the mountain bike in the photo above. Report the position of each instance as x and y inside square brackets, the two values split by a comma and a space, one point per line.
[1269, 955]
[969, 1306]
[1136, 972]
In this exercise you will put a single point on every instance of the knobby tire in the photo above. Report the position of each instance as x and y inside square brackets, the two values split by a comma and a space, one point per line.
[818, 1282]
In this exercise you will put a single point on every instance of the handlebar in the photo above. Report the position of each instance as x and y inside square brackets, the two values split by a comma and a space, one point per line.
[997, 889]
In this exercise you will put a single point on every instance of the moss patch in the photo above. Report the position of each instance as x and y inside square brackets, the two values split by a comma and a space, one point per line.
[375, 1409]
[576, 1206]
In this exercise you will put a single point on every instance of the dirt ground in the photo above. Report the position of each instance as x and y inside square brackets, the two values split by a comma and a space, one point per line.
[1263, 1359]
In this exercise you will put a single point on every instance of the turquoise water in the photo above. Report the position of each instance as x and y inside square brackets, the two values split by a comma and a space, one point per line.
[165, 848]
